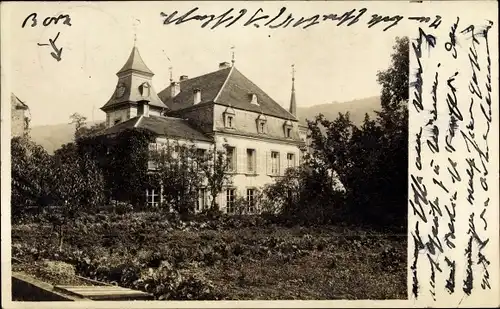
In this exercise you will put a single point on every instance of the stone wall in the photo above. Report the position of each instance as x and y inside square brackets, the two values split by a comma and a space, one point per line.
[18, 123]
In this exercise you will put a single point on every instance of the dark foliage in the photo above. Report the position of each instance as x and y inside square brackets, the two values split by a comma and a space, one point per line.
[123, 159]
[370, 161]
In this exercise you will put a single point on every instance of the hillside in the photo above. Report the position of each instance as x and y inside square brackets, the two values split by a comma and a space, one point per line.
[356, 108]
[51, 137]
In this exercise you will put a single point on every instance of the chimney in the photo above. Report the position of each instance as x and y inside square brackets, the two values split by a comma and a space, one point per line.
[197, 96]
[143, 108]
[183, 78]
[224, 65]
[175, 88]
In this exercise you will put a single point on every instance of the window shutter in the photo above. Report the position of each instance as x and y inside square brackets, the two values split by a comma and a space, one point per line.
[268, 163]
[258, 162]
[239, 161]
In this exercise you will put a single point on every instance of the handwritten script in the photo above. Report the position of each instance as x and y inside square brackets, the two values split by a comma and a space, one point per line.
[284, 19]
[450, 164]
[32, 21]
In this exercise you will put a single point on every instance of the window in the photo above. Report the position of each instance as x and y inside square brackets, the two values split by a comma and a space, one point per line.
[152, 165]
[262, 127]
[290, 159]
[229, 118]
[251, 169]
[200, 152]
[230, 198]
[251, 200]
[152, 197]
[202, 199]
[231, 159]
[287, 129]
[254, 99]
[275, 163]
[261, 124]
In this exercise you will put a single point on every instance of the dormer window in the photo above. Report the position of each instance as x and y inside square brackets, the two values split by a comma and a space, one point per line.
[287, 128]
[261, 124]
[229, 118]
[145, 89]
[253, 99]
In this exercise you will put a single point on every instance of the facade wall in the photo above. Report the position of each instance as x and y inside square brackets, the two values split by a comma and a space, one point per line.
[242, 179]
[246, 122]
[122, 114]
[18, 123]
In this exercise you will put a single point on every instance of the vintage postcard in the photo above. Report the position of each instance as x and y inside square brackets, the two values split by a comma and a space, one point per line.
[250, 154]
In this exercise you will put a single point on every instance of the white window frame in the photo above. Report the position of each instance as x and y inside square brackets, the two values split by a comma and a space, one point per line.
[233, 166]
[275, 163]
[202, 199]
[230, 200]
[251, 169]
[251, 200]
[153, 197]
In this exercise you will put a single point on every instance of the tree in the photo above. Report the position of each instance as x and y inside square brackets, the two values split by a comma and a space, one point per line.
[371, 161]
[31, 175]
[176, 171]
[215, 168]
[393, 119]
[79, 121]
[78, 186]
[90, 131]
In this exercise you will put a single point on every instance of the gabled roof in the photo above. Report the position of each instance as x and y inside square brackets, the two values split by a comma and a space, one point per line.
[163, 126]
[17, 102]
[228, 87]
[209, 85]
[135, 63]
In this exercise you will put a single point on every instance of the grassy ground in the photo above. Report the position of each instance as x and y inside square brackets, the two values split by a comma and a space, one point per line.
[237, 260]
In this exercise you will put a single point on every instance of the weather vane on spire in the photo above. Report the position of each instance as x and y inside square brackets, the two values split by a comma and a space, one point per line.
[232, 54]
[293, 72]
[171, 77]
[135, 30]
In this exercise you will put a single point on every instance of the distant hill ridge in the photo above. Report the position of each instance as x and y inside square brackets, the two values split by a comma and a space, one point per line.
[356, 108]
[52, 137]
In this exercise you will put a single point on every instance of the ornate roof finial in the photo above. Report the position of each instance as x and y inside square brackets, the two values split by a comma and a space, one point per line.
[136, 21]
[171, 76]
[293, 102]
[232, 55]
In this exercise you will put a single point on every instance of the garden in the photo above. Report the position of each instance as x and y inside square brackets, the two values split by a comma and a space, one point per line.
[231, 258]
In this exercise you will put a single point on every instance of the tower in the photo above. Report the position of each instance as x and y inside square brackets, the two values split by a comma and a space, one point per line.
[134, 94]
[293, 103]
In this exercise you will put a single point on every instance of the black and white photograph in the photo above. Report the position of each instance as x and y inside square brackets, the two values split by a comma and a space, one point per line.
[249, 151]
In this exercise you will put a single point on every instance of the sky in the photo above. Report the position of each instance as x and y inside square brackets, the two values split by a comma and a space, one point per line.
[332, 63]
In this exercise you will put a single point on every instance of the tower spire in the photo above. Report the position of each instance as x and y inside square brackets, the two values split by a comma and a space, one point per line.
[293, 103]
[232, 55]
